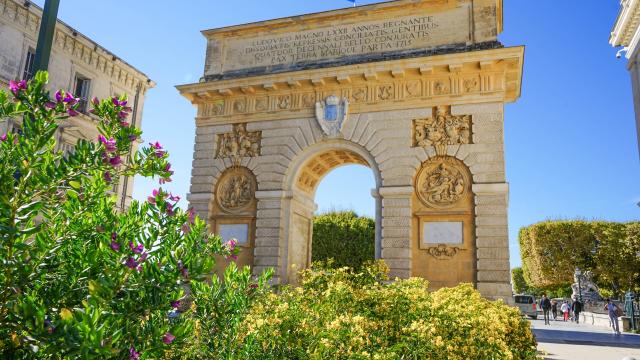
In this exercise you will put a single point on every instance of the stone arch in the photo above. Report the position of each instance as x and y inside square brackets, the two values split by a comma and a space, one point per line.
[301, 180]
[443, 208]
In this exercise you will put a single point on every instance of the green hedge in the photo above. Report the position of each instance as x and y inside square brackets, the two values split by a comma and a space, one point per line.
[345, 237]
[551, 250]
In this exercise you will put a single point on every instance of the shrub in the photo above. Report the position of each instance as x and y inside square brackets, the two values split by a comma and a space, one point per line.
[344, 237]
[79, 279]
[342, 314]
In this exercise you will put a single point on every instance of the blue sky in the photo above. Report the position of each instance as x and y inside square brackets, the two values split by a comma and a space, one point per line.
[571, 146]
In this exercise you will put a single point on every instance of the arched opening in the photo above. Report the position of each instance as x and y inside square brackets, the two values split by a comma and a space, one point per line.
[307, 173]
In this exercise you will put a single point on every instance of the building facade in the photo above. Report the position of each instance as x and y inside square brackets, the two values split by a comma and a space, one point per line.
[626, 34]
[77, 64]
[413, 89]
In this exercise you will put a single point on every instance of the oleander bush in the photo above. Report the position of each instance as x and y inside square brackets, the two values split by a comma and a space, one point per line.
[79, 279]
[337, 313]
[344, 237]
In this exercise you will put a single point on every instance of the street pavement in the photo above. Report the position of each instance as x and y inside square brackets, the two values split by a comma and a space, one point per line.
[567, 341]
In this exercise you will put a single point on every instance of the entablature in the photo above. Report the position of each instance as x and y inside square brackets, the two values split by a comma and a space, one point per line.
[481, 76]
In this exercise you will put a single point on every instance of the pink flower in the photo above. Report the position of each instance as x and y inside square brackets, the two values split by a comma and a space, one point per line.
[168, 338]
[115, 161]
[95, 101]
[122, 115]
[115, 246]
[143, 257]
[107, 177]
[70, 99]
[72, 112]
[110, 144]
[186, 228]
[50, 105]
[124, 124]
[175, 304]
[158, 149]
[3, 137]
[17, 86]
[131, 263]
[133, 354]
[231, 244]
[59, 96]
[133, 137]
[175, 198]
[164, 180]
[136, 249]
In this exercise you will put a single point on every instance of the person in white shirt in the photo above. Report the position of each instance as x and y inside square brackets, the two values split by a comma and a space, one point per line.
[565, 311]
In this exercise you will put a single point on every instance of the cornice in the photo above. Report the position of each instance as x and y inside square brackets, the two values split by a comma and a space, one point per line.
[74, 44]
[358, 12]
[473, 77]
[626, 24]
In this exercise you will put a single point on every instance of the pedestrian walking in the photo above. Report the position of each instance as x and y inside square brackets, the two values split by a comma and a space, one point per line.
[614, 311]
[565, 311]
[545, 304]
[554, 309]
[576, 307]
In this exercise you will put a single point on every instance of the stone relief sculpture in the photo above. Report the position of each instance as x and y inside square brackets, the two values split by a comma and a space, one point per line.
[236, 189]
[441, 183]
[443, 251]
[239, 143]
[442, 129]
[331, 114]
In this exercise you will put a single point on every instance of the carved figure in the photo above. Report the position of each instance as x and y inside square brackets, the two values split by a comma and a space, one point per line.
[360, 94]
[236, 189]
[239, 143]
[441, 184]
[331, 114]
[442, 129]
[439, 88]
[240, 105]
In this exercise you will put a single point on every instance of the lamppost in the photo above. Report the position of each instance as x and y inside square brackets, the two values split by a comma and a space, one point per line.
[45, 37]
[578, 274]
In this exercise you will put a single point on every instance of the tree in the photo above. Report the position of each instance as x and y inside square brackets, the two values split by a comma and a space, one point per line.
[518, 283]
[552, 250]
[80, 279]
[344, 237]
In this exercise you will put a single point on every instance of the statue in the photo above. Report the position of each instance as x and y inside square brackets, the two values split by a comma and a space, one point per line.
[584, 285]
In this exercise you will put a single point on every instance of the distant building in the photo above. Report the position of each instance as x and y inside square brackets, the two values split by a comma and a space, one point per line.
[626, 33]
[77, 64]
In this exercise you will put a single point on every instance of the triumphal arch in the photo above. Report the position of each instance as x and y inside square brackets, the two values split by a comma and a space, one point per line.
[413, 89]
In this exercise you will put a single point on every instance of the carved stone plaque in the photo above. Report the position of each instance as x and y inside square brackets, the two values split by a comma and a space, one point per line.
[240, 232]
[236, 189]
[442, 182]
[441, 232]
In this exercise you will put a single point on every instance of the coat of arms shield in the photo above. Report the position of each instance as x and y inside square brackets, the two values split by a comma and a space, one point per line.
[331, 114]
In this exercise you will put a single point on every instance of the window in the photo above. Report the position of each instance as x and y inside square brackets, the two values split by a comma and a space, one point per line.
[28, 64]
[82, 91]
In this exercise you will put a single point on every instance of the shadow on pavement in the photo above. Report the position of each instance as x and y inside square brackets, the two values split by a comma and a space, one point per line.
[587, 338]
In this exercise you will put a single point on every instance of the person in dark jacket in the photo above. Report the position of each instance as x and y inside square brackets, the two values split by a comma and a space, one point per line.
[545, 304]
[576, 308]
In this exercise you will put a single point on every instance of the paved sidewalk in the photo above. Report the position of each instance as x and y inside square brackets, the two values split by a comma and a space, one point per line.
[568, 341]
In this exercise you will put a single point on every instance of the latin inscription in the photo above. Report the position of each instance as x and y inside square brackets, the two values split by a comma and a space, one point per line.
[412, 32]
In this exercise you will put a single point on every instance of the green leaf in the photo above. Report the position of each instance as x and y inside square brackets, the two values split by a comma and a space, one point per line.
[74, 184]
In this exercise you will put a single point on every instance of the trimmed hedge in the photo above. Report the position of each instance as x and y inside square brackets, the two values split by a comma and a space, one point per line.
[551, 250]
[345, 237]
